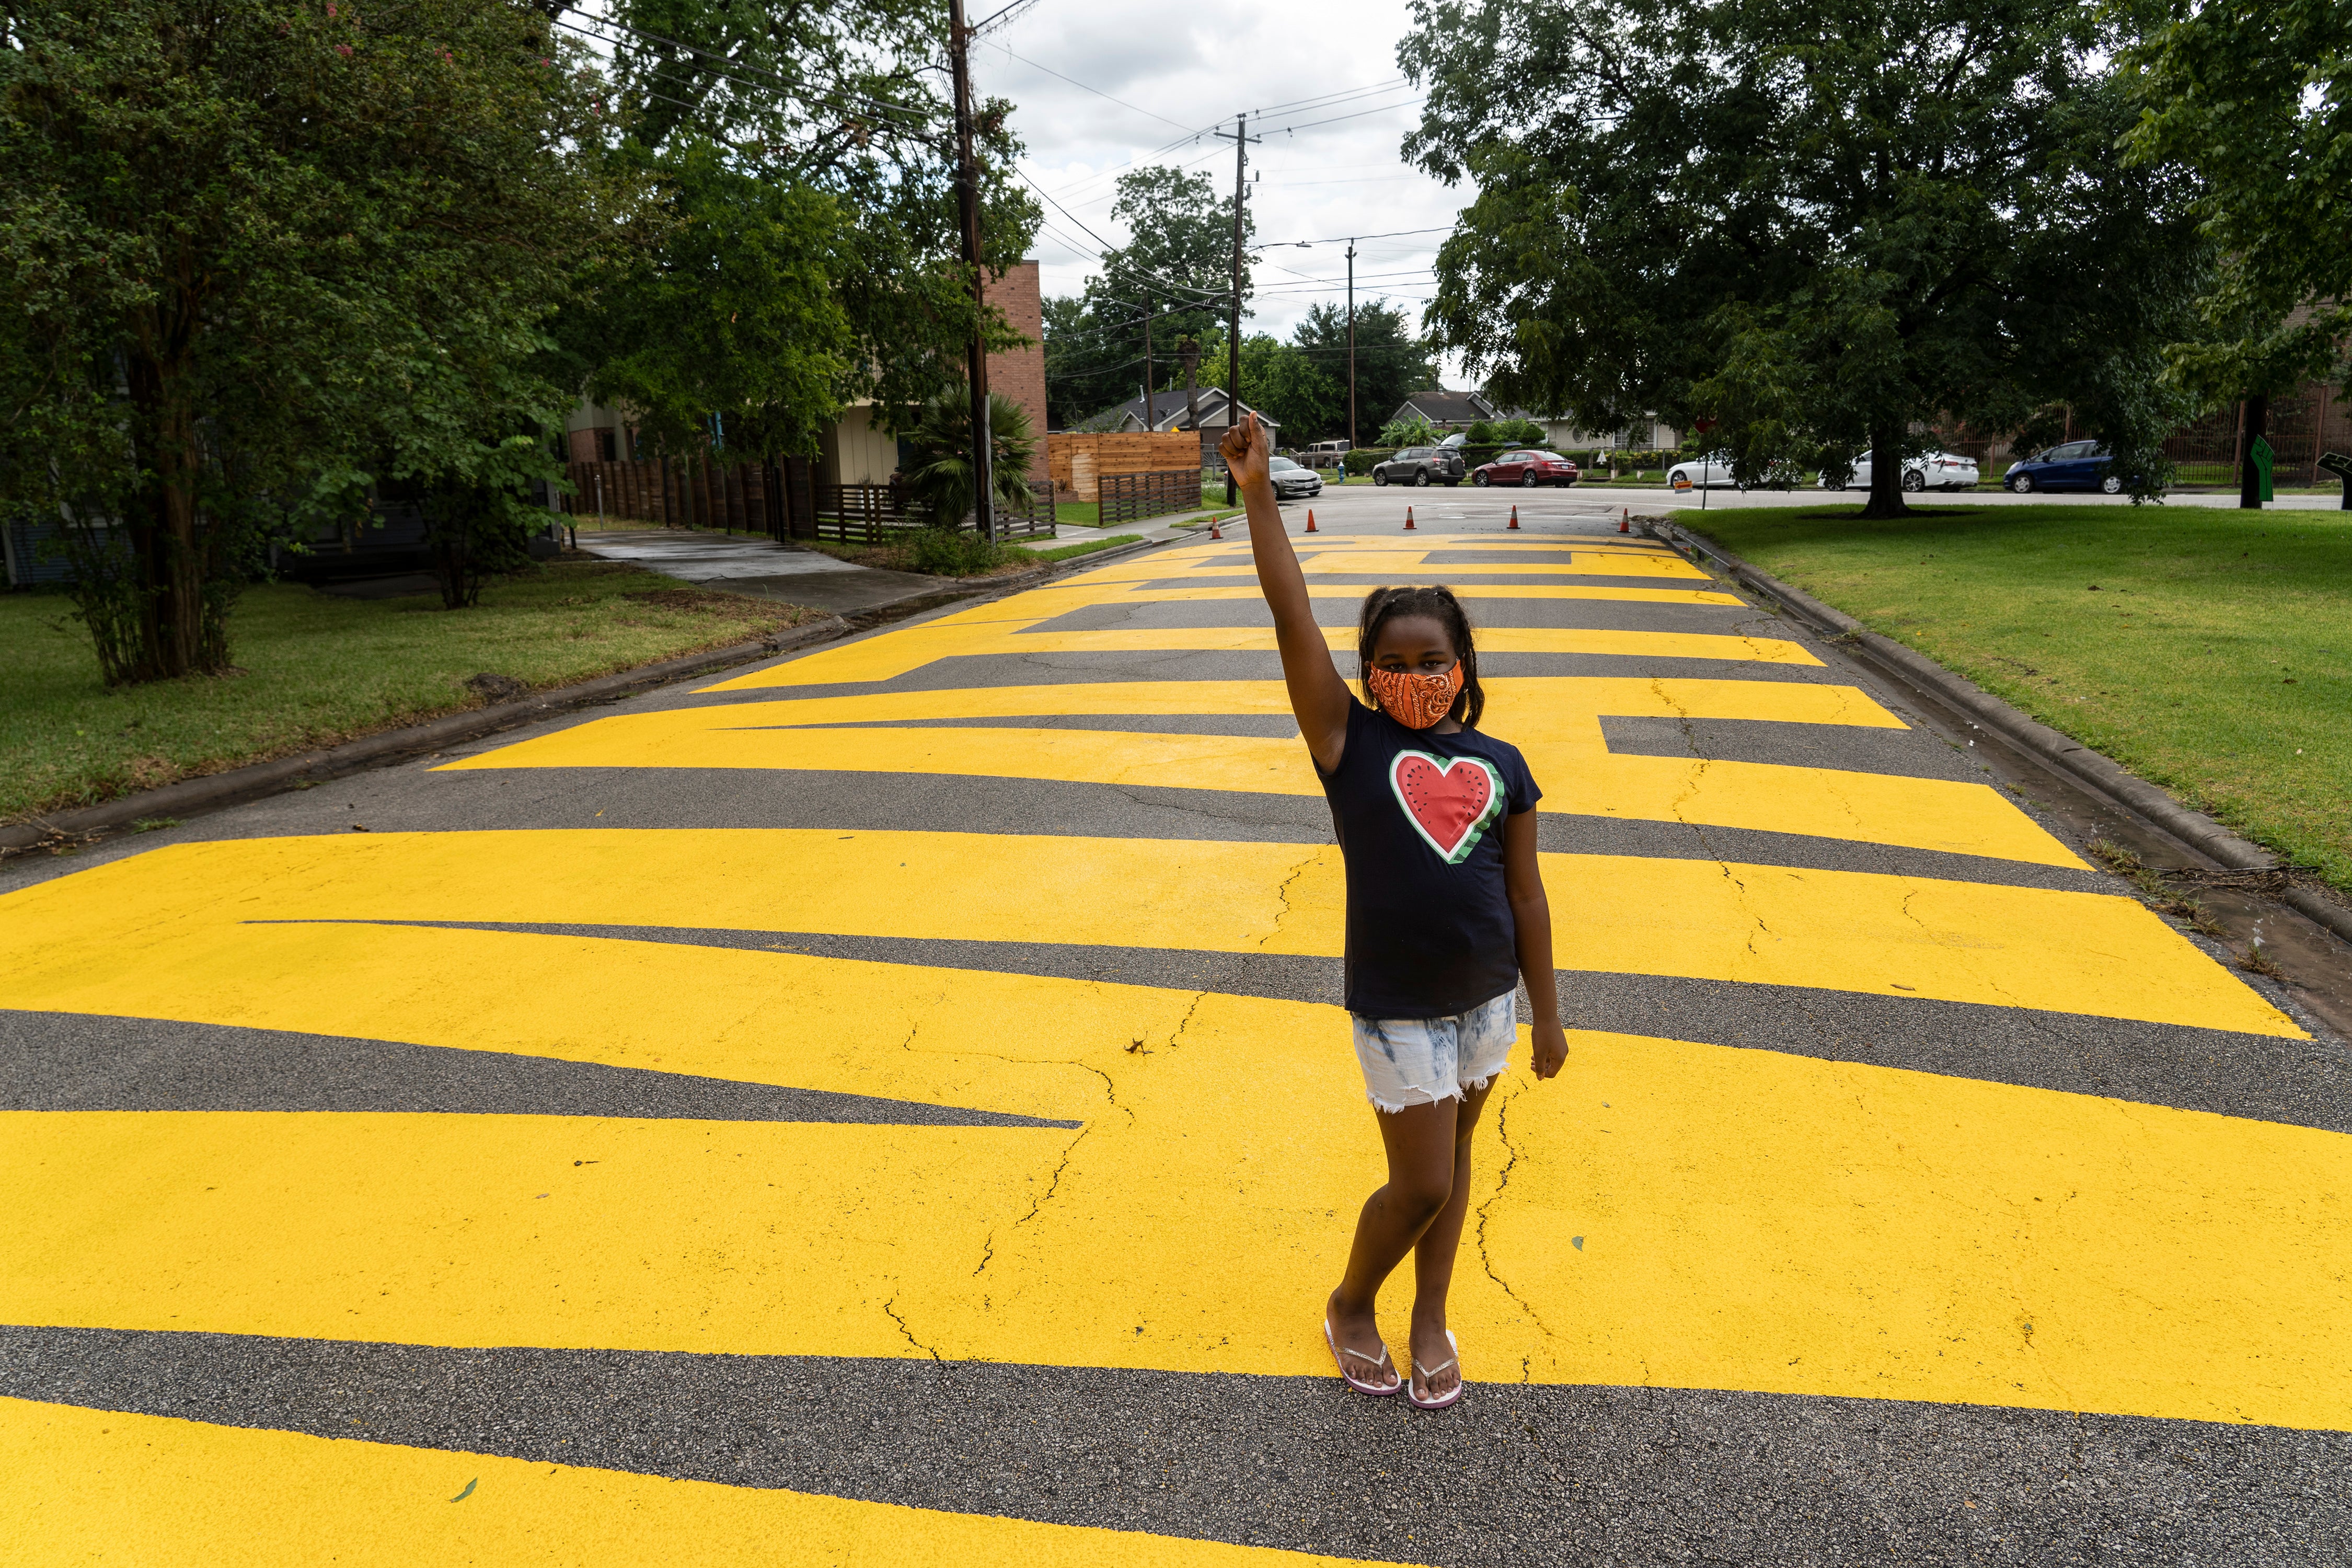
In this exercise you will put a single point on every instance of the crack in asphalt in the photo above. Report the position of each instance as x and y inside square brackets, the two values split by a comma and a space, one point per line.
[1283, 893]
[1486, 1210]
[891, 1308]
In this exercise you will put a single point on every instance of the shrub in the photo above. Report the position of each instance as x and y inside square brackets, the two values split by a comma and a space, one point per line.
[1362, 459]
[1414, 432]
[948, 552]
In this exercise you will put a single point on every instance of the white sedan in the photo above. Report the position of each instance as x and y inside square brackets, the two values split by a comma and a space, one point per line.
[1714, 472]
[1927, 472]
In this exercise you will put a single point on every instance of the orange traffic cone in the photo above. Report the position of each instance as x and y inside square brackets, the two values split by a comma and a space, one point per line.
[1214, 531]
[1515, 517]
[1408, 520]
[1310, 520]
[1625, 520]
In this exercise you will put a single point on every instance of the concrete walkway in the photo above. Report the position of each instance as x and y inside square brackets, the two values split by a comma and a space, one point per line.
[758, 567]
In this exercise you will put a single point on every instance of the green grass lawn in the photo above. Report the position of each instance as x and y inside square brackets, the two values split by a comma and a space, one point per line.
[318, 669]
[2207, 650]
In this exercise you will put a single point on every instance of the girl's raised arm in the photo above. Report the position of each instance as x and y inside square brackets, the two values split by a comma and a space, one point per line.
[1318, 696]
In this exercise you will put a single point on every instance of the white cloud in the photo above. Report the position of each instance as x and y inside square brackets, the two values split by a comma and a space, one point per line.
[1191, 69]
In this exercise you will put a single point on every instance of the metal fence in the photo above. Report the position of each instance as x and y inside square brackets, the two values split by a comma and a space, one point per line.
[1130, 498]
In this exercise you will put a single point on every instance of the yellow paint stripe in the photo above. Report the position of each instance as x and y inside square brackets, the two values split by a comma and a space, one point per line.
[90, 1486]
[1535, 711]
[1554, 719]
[1039, 605]
[898, 652]
[63, 946]
[1748, 1220]
[1413, 565]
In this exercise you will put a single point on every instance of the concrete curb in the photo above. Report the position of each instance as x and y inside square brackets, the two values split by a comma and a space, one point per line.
[213, 791]
[2195, 832]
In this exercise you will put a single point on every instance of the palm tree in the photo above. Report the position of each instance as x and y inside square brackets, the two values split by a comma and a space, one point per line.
[941, 480]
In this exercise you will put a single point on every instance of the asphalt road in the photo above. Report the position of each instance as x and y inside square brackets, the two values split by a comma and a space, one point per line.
[891, 1105]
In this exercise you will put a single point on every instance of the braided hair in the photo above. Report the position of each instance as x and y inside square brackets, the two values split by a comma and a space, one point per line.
[1382, 605]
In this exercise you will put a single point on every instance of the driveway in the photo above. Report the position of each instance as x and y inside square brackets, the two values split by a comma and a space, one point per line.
[891, 1105]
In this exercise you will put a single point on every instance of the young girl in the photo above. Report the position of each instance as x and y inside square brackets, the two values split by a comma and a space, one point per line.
[1446, 915]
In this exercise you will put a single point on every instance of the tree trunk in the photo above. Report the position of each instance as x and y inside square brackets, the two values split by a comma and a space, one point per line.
[173, 557]
[1885, 473]
[2249, 480]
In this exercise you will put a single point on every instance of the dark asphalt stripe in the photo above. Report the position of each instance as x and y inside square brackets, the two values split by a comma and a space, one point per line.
[959, 672]
[665, 798]
[1908, 754]
[2307, 1083]
[1515, 1474]
[1548, 615]
[1850, 748]
[69, 1061]
[1257, 726]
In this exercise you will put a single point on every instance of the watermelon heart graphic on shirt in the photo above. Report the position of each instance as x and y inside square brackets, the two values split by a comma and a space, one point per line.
[1448, 800]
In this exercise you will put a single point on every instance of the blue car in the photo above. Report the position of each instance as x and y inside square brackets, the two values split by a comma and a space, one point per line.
[2071, 466]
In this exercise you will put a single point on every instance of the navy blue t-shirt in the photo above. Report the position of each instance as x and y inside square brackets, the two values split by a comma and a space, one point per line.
[1419, 821]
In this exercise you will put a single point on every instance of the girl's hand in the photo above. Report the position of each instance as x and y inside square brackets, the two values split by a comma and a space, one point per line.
[1243, 450]
[1551, 1047]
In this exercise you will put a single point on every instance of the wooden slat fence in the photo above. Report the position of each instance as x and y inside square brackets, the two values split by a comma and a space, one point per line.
[780, 499]
[1130, 498]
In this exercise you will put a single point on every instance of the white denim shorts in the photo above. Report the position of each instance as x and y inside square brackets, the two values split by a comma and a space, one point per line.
[1419, 1061]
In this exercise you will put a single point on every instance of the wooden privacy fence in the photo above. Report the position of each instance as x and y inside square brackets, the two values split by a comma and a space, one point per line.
[780, 499]
[1130, 498]
[1079, 462]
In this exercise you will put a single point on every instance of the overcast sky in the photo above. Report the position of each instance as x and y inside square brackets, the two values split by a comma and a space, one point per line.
[1177, 71]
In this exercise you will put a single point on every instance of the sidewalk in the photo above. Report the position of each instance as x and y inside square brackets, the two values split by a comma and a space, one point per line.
[761, 568]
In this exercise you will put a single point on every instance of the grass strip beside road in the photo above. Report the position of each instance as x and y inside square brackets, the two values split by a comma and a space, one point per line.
[2209, 651]
[315, 669]
[959, 555]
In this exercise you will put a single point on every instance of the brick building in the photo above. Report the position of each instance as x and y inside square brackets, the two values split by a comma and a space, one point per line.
[1020, 373]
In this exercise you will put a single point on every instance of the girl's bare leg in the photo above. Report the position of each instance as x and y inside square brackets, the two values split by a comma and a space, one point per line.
[1433, 1254]
[1428, 1149]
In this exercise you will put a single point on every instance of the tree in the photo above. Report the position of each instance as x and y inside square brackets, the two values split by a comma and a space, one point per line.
[810, 252]
[1392, 363]
[1176, 270]
[941, 479]
[258, 255]
[1285, 383]
[2258, 99]
[1829, 230]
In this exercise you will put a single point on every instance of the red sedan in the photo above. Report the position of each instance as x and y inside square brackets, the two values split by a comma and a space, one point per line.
[1529, 469]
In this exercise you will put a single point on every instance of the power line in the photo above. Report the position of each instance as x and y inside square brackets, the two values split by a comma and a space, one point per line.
[1099, 92]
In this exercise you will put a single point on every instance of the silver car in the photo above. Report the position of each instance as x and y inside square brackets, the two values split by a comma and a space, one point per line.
[1927, 472]
[1291, 480]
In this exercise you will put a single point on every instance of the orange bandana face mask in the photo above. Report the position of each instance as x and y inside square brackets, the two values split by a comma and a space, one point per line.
[1415, 701]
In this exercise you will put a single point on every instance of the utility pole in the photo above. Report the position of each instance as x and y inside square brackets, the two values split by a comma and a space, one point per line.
[1150, 414]
[1241, 139]
[1351, 355]
[983, 440]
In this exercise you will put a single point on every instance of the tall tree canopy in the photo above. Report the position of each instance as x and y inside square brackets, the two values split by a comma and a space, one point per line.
[1827, 227]
[2256, 95]
[804, 161]
[1176, 270]
[1393, 361]
[251, 248]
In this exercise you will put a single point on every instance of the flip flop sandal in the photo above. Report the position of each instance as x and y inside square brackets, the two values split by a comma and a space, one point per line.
[1427, 1372]
[1340, 1359]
